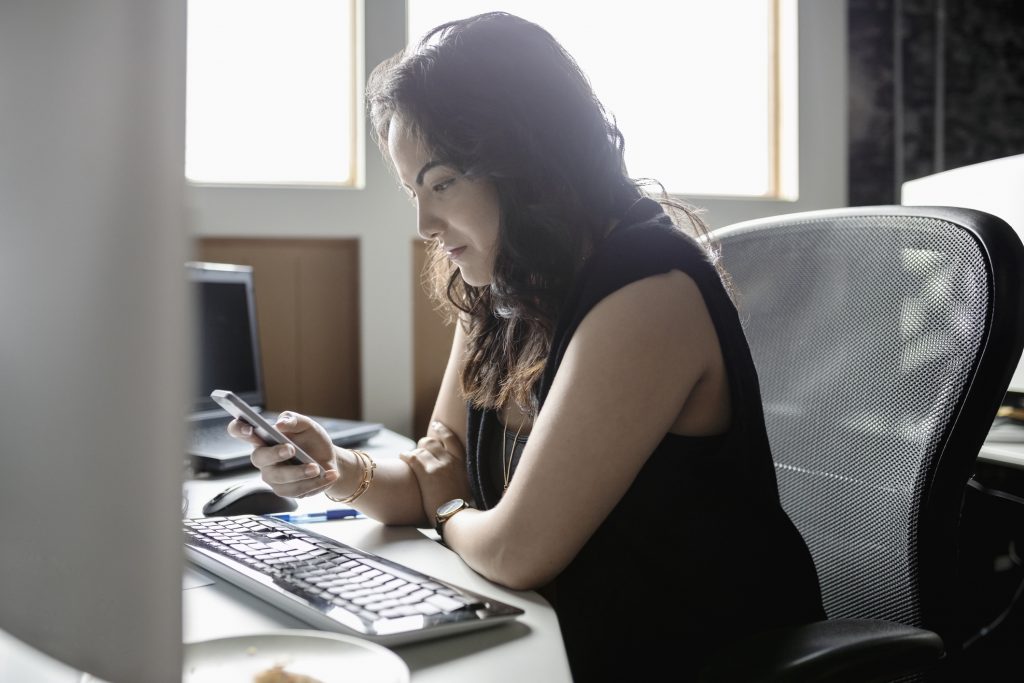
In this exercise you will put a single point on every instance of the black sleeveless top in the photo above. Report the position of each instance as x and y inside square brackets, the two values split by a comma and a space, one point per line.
[698, 551]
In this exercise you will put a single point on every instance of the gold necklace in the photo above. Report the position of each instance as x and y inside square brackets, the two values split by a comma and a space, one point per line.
[506, 468]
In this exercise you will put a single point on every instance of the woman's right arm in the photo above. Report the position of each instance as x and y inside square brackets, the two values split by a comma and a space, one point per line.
[394, 496]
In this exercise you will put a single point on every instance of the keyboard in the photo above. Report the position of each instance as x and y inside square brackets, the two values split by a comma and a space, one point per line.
[211, 436]
[334, 586]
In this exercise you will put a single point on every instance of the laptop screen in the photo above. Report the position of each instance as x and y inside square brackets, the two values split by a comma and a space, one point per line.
[227, 347]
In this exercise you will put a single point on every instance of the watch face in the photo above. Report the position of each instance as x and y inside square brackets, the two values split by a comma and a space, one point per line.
[451, 506]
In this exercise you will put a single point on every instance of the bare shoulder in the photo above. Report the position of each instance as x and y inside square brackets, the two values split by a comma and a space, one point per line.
[669, 289]
[668, 306]
[655, 339]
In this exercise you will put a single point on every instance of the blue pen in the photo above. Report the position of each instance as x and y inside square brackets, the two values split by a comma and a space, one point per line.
[326, 516]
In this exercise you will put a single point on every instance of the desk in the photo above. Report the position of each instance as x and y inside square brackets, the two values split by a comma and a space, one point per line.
[529, 649]
[1003, 453]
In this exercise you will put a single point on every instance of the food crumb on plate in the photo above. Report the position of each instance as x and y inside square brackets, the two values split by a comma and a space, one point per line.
[277, 674]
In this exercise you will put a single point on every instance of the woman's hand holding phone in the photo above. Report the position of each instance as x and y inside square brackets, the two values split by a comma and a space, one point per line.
[275, 461]
[300, 464]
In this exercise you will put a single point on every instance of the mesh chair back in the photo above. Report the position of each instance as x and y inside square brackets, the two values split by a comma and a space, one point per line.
[867, 328]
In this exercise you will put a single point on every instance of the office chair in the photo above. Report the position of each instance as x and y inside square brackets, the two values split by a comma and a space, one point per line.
[884, 339]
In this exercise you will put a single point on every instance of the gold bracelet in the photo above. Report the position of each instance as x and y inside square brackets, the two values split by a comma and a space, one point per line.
[368, 467]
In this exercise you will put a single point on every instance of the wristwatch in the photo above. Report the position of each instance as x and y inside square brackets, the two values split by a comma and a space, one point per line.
[446, 511]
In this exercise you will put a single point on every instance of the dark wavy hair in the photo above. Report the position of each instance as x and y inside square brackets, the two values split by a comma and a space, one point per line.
[497, 98]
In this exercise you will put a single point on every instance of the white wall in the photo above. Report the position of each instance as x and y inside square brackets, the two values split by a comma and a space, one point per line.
[384, 221]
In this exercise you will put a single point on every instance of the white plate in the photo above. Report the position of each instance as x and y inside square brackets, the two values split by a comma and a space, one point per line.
[325, 656]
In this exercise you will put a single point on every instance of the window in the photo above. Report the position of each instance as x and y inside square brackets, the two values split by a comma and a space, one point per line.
[703, 91]
[271, 94]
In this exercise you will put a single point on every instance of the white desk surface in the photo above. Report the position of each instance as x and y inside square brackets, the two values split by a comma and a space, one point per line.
[1003, 453]
[528, 649]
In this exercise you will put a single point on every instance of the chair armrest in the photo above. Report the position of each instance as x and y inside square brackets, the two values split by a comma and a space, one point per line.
[861, 650]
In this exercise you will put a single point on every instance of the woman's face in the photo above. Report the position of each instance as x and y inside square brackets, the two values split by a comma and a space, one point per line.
[459, 213]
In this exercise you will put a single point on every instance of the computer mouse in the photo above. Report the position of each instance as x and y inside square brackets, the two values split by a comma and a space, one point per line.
[248, 498]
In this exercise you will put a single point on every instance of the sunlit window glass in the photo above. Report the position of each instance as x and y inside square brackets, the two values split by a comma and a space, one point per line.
[691, 84]
[271, 92]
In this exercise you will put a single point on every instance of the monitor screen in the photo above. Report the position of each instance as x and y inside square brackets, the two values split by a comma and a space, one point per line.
[227, 344]
[996, 187]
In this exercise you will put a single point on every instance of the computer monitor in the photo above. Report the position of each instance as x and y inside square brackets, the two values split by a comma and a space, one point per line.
[996, 187]
[227, 338]
[93, 336]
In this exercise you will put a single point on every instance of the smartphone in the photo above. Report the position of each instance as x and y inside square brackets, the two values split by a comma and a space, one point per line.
[238, 408]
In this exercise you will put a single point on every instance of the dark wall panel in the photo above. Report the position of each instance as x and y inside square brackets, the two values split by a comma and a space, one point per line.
[934, 85]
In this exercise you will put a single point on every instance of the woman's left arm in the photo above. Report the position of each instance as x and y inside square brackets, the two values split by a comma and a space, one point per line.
[627, 374]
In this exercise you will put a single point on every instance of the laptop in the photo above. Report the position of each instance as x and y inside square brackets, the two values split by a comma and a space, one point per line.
[228, 357]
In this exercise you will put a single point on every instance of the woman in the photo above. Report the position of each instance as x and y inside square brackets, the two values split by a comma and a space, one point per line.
[598, 434]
